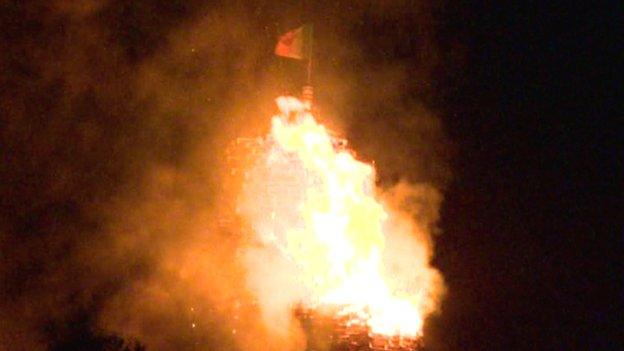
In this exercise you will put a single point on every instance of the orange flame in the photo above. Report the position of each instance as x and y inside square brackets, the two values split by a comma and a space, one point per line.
[317, 205]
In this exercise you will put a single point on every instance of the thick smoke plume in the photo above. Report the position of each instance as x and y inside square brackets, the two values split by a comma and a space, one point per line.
[115, 120]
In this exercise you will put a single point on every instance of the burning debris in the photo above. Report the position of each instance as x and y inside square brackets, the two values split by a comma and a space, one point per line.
[336, 330]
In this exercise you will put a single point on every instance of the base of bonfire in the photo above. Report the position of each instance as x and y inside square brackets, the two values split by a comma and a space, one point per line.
[330, 329]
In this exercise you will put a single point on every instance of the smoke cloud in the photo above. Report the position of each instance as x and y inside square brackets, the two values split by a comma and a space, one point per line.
[116, 116]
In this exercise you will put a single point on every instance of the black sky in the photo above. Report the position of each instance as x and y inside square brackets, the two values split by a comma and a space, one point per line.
[531, 233]
[538, 181]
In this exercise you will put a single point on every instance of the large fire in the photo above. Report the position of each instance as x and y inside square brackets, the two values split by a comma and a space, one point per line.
[309, 197]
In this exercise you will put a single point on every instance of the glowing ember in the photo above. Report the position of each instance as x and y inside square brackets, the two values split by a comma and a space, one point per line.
[317, 205]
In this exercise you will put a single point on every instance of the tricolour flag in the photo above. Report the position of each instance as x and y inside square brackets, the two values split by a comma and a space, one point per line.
[296, 44]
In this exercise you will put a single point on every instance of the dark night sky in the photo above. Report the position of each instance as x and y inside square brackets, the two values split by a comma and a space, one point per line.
[538, 179]
[531, 236]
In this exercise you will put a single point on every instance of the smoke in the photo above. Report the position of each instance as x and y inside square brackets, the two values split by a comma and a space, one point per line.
[115, 120]
[409, 245]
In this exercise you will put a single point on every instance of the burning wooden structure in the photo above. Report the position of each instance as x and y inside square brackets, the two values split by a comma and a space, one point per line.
[333, 329]
[307, 199]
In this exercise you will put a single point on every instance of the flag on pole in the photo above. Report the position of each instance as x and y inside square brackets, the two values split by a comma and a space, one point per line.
[296, 44]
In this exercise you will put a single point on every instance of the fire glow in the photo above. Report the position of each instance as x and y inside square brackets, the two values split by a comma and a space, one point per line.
[315, 204]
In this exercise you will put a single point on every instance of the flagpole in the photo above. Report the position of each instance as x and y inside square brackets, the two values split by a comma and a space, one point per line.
[307, 92]
[310, 51]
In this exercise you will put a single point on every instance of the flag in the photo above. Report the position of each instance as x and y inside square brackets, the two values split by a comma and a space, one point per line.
[296, 44]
